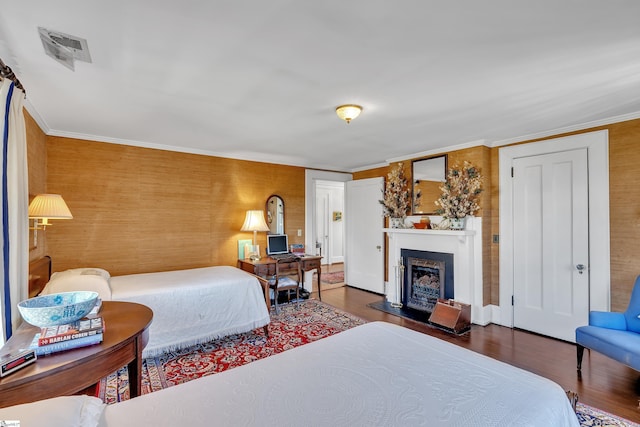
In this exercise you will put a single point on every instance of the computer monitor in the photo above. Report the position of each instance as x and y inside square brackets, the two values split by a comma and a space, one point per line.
[277, 244]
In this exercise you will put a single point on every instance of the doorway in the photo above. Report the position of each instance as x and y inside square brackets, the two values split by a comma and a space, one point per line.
[595, 272]
[329, 224]
[319, 217]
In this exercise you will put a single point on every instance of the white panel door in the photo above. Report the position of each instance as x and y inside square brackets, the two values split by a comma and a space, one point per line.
[551, 243]
[322, 224]
[364, 261]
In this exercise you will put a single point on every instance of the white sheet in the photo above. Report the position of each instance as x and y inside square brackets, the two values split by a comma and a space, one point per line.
[377, 374]
[194, 306]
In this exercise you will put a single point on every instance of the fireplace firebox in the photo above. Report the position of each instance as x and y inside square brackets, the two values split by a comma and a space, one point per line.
[427, 277]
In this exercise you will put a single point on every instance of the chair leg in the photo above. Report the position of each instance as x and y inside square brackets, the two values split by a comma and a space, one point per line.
[580, 353]
[275, 299]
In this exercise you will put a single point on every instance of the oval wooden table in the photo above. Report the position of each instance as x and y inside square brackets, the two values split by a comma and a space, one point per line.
[72, 371]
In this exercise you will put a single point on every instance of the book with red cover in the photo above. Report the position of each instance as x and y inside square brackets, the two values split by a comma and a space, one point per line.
[78, 329]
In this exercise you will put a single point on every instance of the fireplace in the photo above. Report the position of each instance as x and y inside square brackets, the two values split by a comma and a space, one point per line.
[466, 247]
[427, 277]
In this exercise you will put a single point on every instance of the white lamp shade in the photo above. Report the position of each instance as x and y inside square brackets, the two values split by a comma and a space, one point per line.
[50, 206]
[254, 221]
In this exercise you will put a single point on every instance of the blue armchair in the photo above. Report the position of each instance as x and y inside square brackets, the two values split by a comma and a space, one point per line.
[616, 335]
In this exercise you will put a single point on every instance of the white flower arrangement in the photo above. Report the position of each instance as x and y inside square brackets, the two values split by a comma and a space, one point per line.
[397, 194]
[460, 193]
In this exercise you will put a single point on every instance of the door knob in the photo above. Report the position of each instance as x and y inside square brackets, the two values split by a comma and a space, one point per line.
[580, 268]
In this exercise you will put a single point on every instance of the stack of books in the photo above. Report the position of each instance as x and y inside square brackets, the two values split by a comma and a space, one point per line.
[81, 333]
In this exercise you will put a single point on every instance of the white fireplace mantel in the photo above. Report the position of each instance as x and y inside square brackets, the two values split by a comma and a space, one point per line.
[466, 247]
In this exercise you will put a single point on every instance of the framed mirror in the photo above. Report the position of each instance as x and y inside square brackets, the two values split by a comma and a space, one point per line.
[427, 175]
[275, 214]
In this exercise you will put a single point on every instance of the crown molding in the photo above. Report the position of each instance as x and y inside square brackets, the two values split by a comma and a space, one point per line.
[258, 157]
[33, 112]
[567, 129]
[261, 158]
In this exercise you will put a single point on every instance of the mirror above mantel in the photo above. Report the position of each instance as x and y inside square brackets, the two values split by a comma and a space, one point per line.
[427, 176]
[275, 214]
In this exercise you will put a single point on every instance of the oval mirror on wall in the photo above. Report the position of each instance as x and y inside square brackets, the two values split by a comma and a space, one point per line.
[275, 214]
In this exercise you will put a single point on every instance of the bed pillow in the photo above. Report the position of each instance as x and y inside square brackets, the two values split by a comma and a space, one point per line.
[68, 411]
[80, 279]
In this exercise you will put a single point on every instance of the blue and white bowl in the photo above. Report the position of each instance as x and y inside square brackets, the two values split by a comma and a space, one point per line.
[57, 309]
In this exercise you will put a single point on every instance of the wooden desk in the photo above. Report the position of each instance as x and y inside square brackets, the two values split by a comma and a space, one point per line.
[265, 267]
[69, 372]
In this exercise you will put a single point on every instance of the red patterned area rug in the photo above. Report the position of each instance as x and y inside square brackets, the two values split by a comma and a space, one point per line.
[295, 325]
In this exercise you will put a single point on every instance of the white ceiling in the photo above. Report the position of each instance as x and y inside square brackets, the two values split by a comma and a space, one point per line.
[260, 80]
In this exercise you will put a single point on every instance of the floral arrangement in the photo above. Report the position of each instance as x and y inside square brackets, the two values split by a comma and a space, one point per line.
[460, 193]
[397, 194]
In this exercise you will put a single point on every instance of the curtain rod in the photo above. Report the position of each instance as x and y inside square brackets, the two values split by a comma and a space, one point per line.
[6, 72]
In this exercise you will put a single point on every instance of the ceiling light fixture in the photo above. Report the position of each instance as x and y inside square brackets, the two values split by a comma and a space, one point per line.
[348, 112]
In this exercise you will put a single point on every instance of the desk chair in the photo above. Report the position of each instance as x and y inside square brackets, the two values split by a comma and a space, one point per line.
[288, 277]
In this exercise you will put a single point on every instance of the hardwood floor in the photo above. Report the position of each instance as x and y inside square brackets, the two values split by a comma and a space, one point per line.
[605, 383]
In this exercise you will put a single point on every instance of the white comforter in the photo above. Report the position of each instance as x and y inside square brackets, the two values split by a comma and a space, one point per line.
[189, 306]
[194, 306]
[376, 374]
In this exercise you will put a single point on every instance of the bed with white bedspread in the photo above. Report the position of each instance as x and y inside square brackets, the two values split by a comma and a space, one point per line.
[377, 374]
[189, 306]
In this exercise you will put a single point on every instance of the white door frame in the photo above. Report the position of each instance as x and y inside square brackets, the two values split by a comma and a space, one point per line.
[597, 145]
[310, 178]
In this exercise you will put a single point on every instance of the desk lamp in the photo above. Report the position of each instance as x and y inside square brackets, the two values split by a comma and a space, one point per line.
[254, 221]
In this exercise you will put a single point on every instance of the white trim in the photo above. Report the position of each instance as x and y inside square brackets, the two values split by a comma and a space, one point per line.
[44, 127]
[259, 157]
[568, 129]
[494, 144]
[597, 145]
[438, 151]
[310, 178]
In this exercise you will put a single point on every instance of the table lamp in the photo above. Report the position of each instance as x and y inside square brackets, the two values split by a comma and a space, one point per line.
[254, 221]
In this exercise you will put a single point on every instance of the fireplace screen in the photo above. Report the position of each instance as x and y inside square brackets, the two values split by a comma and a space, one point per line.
[426, 283]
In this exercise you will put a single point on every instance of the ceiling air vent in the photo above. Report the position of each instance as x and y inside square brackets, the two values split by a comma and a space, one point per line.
[64, 48]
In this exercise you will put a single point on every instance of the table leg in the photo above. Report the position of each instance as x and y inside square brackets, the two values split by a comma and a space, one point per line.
[135, 370]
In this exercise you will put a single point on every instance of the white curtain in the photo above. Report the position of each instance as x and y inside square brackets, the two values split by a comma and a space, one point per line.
[14, 197]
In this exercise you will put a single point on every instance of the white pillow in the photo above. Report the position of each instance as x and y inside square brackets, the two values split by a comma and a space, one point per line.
[80, 279]
[67, 411]
[85, 271]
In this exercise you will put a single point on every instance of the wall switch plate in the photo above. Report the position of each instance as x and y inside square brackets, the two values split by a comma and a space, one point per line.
[299, 232]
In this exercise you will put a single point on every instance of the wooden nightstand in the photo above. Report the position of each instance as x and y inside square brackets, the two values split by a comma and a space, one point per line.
[70, 372]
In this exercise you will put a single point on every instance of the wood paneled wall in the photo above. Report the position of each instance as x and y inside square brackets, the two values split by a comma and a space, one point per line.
[624, 194]
[139, 210]
[37, 175]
